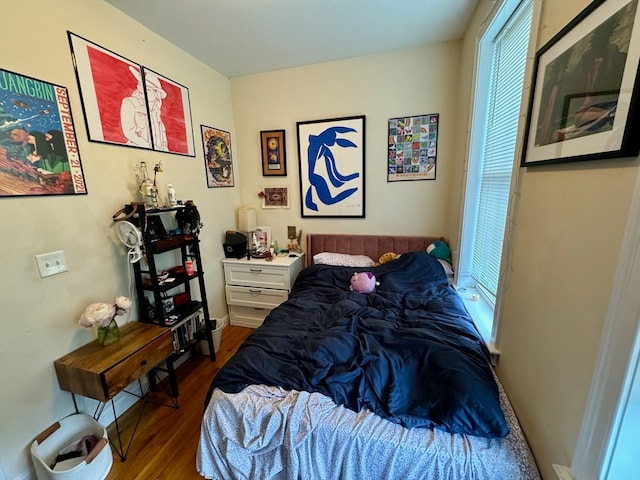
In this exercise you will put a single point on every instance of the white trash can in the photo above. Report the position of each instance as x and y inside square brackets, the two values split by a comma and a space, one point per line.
[49, 444]
[216, 333]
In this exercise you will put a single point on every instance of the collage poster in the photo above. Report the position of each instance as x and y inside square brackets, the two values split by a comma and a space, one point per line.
[413, 147]
[38, 147]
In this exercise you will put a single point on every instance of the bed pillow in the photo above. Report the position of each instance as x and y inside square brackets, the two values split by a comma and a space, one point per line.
[448, 269]
[342, 260]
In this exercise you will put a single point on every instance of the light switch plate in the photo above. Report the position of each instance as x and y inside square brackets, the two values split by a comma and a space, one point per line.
[51, 263]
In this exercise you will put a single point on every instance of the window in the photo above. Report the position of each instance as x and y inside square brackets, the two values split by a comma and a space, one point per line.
[498, 94]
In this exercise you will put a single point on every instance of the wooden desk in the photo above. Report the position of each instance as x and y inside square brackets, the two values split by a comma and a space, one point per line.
[101, 372]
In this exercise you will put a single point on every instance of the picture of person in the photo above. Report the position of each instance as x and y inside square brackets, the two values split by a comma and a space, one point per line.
[581, 86]
[155, 95]
[133, 115]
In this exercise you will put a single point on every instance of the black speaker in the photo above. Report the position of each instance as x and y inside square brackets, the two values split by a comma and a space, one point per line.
[235, 245]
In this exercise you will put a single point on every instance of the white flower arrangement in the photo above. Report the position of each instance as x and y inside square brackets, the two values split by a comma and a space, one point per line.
[101, 314]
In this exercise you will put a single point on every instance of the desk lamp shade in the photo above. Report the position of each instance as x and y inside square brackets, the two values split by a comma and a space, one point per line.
[246, 219]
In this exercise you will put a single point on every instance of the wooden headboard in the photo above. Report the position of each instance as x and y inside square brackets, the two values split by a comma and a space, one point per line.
[372, 246]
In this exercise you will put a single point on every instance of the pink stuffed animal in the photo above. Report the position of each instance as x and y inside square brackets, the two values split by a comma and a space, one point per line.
[363, 282]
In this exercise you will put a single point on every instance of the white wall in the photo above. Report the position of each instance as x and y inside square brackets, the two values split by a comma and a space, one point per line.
[411, 82]
[38, 317]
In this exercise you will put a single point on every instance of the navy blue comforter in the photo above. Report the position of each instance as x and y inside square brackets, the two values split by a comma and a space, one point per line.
[407, 352]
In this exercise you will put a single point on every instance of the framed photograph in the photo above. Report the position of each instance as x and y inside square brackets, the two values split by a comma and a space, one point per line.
[38, 146]
[275, 197]
[155, 227]
[413, 148]
[126, 104]
[331, 154]
[274, 158]
[217, 157]
[584, 98]
[260, 238]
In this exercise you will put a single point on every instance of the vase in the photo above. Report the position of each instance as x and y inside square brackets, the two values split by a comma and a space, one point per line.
[109, 334]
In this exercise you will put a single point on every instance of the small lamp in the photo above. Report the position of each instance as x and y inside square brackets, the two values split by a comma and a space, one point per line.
[246, 219]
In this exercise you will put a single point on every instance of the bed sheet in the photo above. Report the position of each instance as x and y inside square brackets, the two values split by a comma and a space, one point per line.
[271, 433]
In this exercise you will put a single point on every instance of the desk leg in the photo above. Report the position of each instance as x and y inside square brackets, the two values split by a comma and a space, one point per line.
[172, 378]
[121, 451]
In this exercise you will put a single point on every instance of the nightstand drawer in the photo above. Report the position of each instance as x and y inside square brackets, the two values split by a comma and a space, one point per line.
[136, 365]
[247, 316]
[258, 275]
[255, 297]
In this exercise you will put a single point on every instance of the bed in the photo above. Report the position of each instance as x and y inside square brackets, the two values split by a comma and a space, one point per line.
[337, 384]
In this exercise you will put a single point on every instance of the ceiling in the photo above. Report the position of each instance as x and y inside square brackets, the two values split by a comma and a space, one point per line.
[243, 37]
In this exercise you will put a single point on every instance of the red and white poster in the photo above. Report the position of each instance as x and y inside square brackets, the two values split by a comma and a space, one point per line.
[127, 104]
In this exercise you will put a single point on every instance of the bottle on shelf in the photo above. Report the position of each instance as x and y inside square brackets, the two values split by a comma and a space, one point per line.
[145, 188]
[171, 196]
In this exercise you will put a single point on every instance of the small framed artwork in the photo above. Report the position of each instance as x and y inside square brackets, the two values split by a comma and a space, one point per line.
[217, 157]
[260, 239]
[331, 154]
[38, 145]
[413, 148]
[275, 197]
[584, 102]
[274, 158]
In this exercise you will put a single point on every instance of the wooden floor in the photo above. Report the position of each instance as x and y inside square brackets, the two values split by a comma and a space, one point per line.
[165, 443]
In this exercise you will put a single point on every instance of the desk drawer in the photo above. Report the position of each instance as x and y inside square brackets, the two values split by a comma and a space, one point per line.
[133, 367]
[255, 297]
[260, 275]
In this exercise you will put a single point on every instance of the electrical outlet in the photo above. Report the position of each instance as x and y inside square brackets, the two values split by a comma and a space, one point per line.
[51, 263]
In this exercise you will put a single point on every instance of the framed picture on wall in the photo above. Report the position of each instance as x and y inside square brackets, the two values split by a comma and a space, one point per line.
[170, 115]
[413, 148]
[584, 102]
[274, 158]
[217, 157]
[127, 104]
[331, 154]
[38, 146]
[112, 93]
[275, 196]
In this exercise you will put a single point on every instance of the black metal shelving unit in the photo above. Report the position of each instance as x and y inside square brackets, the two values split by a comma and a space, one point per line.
[188, 318]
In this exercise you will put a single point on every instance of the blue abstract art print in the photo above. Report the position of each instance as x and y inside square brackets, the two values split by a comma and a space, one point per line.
[331, 154]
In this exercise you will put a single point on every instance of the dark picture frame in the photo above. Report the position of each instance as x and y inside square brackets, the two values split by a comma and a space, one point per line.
[218, 160]
[39, 152]
[331, 161]
[127, 104]
[412, 152]
[584, 102]
[274, 155]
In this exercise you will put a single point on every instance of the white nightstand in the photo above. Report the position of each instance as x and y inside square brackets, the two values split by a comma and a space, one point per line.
[255, 287]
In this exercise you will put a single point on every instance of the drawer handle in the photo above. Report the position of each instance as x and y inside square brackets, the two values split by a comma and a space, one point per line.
[143, 363]
[255, 292]
[255, 270]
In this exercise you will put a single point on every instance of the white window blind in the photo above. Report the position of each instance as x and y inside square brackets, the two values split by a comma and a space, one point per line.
[505, 92]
